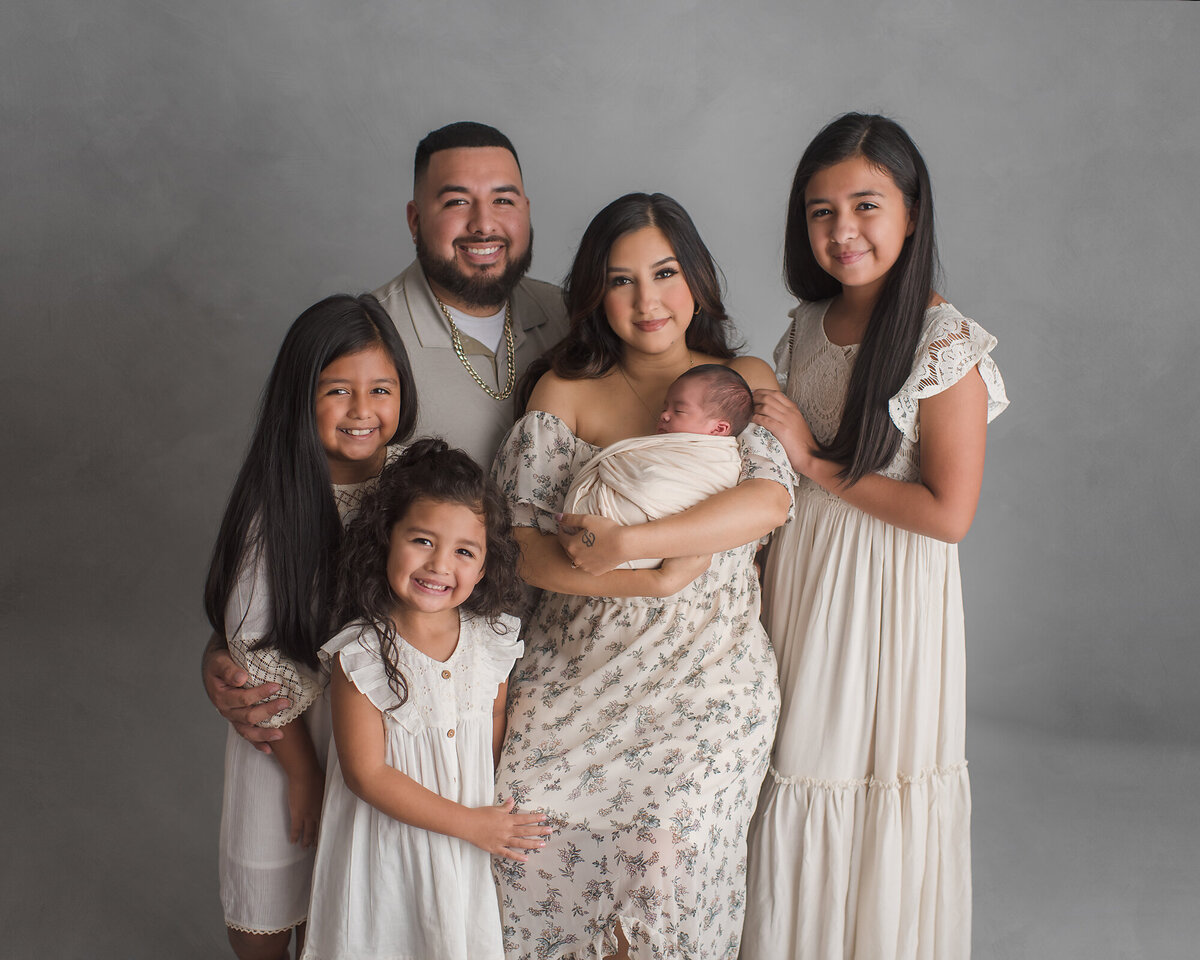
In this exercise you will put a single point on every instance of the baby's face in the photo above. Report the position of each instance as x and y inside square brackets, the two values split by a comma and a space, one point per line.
[686, 411]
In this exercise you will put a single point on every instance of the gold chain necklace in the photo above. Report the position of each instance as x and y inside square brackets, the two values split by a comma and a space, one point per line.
[456, 340]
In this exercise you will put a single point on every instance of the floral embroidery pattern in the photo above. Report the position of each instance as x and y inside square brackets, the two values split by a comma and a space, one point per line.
[642, 727]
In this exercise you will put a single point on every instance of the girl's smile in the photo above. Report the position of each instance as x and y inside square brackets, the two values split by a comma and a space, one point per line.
[435, 556]
[357, 411]
[857, 223]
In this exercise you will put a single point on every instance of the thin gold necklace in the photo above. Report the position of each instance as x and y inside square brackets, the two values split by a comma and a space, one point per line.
[629, 383]
[456, 340]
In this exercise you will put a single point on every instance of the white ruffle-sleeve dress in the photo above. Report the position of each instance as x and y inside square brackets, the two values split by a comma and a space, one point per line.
[384, 890]
[265, 879]
[642, 728]
[860, 846]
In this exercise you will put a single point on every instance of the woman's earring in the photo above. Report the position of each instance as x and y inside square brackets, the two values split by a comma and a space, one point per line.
[696, 312]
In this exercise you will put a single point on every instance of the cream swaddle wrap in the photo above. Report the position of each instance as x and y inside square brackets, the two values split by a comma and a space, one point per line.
[646, 478]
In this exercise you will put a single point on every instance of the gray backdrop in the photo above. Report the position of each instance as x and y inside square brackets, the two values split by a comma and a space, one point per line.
[182, 179]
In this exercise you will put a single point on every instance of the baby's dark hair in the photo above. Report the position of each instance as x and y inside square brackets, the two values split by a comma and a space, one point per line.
[428, 470]
[728, 396]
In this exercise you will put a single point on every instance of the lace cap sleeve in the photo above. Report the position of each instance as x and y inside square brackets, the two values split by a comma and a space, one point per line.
[534, 468]
[951, 344]
[763, 459]
[498, 647]
[357, 648]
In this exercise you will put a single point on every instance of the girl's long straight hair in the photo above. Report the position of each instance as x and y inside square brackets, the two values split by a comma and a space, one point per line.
[867, 439]
[282, 512]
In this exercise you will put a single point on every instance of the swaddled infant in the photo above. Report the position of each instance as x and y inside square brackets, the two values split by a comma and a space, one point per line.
[693, 455]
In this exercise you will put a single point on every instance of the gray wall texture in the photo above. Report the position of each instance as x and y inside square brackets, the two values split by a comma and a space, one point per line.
[182, 179]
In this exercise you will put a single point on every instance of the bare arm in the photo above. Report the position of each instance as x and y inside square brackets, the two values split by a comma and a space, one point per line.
[359, 734]
[223, 680]
[723, 521]
[544, 565]
[953, 440]
[499, 722]
[306, 781]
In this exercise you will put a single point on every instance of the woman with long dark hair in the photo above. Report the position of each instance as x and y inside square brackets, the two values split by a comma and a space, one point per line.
[642, 712]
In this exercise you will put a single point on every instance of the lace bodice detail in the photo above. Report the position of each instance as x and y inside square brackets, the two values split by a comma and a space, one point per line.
[815, 372]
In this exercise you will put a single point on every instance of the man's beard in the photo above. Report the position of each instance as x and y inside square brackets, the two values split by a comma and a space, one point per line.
[486, 289]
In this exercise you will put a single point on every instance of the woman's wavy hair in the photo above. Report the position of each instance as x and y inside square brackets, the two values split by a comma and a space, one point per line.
[428, 470]
[281, 511]
[867, 439]
[590, 347]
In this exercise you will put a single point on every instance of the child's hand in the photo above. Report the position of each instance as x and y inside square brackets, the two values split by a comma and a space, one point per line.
[305, 795]
[678, 572]
[503, 833]
[776, 412]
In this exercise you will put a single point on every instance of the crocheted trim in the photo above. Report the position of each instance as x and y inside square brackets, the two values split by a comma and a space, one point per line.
[267, 933]
[929, 773]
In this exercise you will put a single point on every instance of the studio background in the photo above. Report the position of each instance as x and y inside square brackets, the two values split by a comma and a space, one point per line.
[182, 179]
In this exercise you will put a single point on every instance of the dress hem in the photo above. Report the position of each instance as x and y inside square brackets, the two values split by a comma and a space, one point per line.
[266, 933]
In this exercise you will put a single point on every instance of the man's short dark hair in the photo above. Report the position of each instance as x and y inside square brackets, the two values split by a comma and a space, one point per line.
[465, 133]
[728, 394]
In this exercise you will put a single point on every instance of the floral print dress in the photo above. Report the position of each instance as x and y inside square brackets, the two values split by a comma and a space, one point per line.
[642, 727]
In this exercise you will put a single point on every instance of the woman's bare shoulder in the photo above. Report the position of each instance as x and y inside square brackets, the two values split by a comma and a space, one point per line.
[566, 399]
[757, 373]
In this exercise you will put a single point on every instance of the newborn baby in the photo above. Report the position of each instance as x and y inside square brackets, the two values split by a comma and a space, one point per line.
[693, 454]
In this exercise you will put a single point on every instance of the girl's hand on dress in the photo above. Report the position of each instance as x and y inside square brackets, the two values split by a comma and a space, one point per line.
[775, 411]
[305, 796]
[503, 833]
[678, 572]
[592, 543]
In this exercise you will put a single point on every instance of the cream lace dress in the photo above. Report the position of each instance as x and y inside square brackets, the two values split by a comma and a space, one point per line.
[642, 728]
[384, 890]
[860, 846]
[264, 879]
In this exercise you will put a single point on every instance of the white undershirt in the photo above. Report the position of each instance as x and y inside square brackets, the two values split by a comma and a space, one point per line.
[487, 330]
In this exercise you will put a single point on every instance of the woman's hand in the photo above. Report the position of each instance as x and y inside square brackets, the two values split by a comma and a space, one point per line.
[503, 833]
[593, 543]
[305, 796]
[775, 411]
[678, 572]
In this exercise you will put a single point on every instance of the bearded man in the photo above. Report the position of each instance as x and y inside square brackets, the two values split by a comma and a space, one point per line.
[471, 320]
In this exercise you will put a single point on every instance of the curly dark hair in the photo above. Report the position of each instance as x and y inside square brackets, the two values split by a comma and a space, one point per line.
[428, 470]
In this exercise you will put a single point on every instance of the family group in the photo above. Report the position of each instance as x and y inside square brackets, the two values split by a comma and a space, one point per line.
[548, 625]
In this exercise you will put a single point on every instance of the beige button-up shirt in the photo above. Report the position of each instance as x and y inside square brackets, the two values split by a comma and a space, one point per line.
[452, 404]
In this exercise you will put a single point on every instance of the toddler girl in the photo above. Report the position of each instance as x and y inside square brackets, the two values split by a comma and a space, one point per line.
[418, 693]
